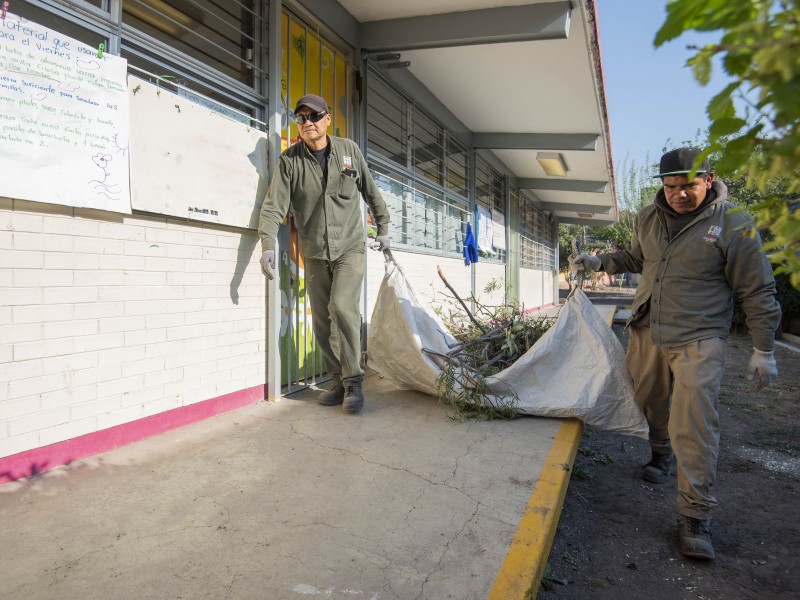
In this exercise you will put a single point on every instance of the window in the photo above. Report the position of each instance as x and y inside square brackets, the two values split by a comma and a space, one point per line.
[537, 238]
[490, 194]
[214, 52]
[457, 167]
[421, 169]
[387, 123]
[428, 150]
[421, 217]
[72, 27]
[224, 37]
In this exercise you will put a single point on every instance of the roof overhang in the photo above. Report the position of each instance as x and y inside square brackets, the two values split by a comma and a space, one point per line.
[521, 79]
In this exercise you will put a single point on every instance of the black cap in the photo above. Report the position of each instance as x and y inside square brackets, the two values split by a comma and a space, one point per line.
[313, 102]
[680, 162]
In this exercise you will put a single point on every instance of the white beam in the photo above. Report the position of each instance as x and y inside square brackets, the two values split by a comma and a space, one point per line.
[465, 28]
[536, 141]
[576, 208]
[562, 185]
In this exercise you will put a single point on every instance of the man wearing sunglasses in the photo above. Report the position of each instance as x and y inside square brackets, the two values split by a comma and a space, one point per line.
[323, 179]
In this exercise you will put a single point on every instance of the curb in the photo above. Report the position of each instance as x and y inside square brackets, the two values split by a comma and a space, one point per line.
[521, 572]
[524, 565]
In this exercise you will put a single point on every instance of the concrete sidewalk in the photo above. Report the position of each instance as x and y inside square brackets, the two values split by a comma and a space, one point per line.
[294, 500]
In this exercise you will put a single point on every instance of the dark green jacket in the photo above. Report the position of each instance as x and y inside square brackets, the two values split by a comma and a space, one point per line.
[689, 281]
[328, 212]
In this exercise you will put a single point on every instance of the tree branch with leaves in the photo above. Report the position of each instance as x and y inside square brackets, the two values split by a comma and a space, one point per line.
[759, 140]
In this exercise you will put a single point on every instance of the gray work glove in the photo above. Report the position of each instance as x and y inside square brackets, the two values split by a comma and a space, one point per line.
[382, 242]
[268, 263]
[584, 262]
[763, 364]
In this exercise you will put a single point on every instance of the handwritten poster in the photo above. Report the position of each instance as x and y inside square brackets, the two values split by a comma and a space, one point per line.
[484, 228]
[63, 119]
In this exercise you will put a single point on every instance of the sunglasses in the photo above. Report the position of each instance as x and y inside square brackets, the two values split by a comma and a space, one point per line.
[314, 117]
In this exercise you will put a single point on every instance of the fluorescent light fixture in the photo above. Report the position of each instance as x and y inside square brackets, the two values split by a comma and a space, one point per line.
[585, 215]
[552, 163]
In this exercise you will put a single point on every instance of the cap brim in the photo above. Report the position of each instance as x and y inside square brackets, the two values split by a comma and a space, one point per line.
[699, 171]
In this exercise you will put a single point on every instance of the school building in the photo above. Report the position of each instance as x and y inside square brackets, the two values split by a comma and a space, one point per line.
[137, 139]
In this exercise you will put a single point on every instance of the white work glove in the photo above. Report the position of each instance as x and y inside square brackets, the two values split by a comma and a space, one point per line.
[268, 263]
[763, 364]
[584, 262]
[382, 242]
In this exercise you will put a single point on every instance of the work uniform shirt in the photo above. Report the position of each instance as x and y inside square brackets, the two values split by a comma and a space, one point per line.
[327, 209]
[689, 280]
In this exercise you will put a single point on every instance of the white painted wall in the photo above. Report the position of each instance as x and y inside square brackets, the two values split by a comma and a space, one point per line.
[484, 274]
[536, 288]
[108, 318]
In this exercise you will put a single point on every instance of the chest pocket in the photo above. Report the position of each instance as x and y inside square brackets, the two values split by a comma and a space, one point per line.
[703, 260]
[347, 186]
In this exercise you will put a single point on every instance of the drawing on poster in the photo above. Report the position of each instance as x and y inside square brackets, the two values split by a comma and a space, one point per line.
[103, 187]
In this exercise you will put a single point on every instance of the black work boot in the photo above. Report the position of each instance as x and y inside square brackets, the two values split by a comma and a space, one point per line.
[659, 468]
[353, 398]
[695, 535]
[333, 396]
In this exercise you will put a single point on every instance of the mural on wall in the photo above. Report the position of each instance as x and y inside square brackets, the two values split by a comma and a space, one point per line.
[309, 65]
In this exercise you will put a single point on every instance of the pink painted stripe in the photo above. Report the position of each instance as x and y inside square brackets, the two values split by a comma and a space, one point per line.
[39, 460]
[530, 310]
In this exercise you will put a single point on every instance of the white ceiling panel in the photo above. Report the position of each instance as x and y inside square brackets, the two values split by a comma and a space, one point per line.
[544, 86]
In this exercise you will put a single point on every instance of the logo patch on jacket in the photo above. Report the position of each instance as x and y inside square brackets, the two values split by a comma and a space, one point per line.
[347, 162]
[713, 234]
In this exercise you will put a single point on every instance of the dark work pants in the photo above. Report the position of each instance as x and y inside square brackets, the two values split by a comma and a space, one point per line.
[334, 288]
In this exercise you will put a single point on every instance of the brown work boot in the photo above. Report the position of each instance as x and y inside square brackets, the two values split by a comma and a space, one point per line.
[659, 468]
[333, 396]
[353, 398]
[695, 537]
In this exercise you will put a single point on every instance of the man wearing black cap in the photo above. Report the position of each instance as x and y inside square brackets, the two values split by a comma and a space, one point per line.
[694, 254]
[323, 179]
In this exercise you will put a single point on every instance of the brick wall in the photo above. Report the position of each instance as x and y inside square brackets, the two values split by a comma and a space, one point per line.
[109, 318]
[106, 319]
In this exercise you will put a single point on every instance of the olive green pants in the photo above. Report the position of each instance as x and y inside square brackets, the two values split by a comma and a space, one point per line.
[334, 288]
[689, 424]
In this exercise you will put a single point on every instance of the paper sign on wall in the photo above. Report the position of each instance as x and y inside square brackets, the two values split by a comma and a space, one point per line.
[190, 161]
[63, 119]
[484, 229]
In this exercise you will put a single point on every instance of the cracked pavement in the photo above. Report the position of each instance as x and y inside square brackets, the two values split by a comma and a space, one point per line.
[282, 501]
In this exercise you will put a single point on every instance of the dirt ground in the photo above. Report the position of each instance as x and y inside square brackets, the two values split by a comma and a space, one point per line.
[616, 537]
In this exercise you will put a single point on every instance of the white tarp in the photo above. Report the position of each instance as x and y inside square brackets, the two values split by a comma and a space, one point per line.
[577, 369]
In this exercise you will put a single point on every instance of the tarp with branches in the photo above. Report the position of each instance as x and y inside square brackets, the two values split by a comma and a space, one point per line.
[575, 369]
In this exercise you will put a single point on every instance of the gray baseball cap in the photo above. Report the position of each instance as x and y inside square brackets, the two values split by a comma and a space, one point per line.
[313, 102]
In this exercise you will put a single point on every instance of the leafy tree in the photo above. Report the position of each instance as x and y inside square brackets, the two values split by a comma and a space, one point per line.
[636, 188]
[758, 141]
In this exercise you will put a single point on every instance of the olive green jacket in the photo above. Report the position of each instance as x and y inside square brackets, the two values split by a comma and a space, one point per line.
[327, 212]
[689, 281]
